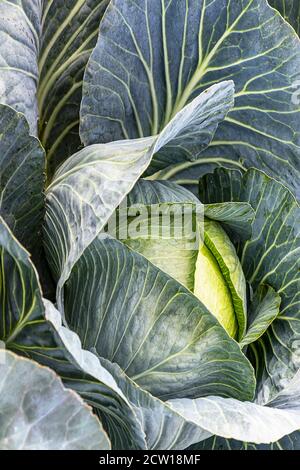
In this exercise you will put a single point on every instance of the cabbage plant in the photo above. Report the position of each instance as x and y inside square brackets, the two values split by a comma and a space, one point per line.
[111, 111]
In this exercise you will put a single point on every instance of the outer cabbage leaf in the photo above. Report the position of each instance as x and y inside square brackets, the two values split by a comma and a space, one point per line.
[20, 29]
[153, 57]
[21, 177]
[38, 413]
[164, 427]
[45, 46]
[287, 400]
[34, 329]
[234, 419]
[84, 193]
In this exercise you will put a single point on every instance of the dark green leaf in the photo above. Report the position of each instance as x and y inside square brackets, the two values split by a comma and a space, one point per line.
[22, 163]
[153, 57]
[20, 30]
[45, 46]
[70, 30]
